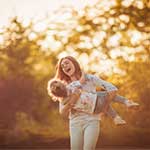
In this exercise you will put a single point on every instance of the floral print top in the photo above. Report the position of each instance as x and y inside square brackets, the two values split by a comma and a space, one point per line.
[87, 100]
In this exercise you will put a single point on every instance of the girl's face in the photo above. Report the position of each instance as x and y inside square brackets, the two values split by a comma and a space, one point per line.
[68, 67]
[57, 85]
[58, 89]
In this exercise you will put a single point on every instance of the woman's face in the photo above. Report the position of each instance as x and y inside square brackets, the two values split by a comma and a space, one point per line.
[68, 67]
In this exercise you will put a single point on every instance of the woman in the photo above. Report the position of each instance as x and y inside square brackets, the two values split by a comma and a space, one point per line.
[84, 127]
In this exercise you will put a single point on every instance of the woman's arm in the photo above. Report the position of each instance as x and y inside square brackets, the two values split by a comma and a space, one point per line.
[109, 87]
[65, 109]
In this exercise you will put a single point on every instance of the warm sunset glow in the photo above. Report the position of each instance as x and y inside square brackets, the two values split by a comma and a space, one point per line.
[136, 36]
[1, 40]
[124, 18]
[32, 36]
[126, 52]
[29, 9]
[108, 38]
[39, 27]
[127, 3]
[59, 30]
[114, 40]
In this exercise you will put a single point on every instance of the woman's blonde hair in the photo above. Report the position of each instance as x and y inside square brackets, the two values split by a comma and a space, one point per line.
[60, 73]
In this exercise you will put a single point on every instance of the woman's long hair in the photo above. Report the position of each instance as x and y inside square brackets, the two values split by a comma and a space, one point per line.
[60, 73]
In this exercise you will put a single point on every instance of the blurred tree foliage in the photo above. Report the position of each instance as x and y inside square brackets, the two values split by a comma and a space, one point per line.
[25, 70]
[110, 38]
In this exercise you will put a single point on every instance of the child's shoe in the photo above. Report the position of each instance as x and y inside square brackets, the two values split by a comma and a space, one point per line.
[131, 104]
[119, 121]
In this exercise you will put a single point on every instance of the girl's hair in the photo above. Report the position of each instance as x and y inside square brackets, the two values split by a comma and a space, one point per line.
[60, 73]
[58, 92]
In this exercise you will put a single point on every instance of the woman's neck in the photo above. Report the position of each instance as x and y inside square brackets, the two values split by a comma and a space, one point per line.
[73, 78]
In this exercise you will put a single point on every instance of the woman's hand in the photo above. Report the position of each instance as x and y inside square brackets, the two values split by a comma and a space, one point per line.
[64, 111]
[112, 94]
[70, 104]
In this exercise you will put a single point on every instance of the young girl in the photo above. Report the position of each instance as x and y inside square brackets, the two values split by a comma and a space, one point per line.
[59, 91]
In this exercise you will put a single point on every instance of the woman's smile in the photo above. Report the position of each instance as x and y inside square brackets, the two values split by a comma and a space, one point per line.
[68, 67]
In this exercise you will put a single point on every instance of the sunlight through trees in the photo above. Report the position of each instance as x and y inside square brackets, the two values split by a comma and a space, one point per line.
[110, 39]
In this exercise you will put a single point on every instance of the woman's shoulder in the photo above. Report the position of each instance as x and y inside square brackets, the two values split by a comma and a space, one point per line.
[73, 84]
[91, 77]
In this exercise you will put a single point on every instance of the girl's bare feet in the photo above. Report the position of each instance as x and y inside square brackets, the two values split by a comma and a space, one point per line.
[131, 104]
[119, 121]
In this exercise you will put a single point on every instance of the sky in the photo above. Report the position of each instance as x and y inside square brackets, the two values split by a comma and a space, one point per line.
[35, 8]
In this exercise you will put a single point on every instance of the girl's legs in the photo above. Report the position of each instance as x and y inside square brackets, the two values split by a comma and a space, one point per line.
[116, 98]
[120, 99]
[91, 134]
[111, 112]
[125, 101]
[115, 116]
[103, 104]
